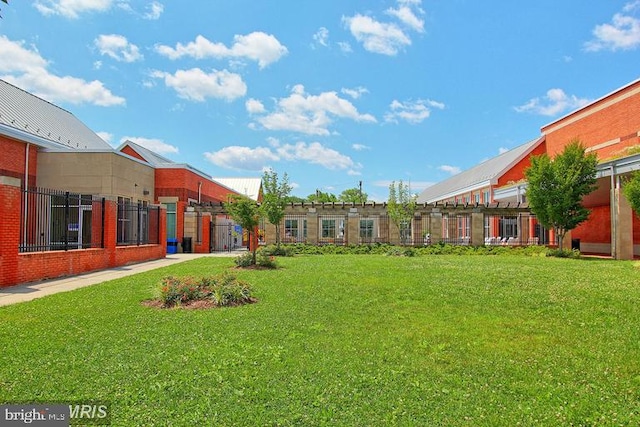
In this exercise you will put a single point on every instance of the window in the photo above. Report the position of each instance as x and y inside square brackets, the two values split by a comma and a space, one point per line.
[295, 230]
[367, 229]
[486, 198]
[171, 220]
[328, 228]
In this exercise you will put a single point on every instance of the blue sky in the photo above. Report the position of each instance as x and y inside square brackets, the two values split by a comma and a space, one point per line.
[331, 92]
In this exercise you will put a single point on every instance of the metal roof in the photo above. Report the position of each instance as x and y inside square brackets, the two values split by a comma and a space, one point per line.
[149, 156]
[246, 186]
[34, 116]
[482, 175]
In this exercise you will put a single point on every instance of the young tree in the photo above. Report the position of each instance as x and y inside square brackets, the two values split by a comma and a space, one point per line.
[557, 186]
[321, 197]
[245, 212]
[631, 190]
[401, 208]
[275, 196]
[353, 195]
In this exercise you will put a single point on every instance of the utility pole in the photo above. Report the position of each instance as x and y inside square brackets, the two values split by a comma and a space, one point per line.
[360, 188]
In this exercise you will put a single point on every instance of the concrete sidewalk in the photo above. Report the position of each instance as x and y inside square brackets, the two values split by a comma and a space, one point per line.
[30, 291]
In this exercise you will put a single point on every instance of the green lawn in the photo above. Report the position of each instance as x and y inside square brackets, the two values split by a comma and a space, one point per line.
[345, 340]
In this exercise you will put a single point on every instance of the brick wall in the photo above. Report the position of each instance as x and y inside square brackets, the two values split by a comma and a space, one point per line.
[608, 125]
[516, 173]
[18, 267]
[12, 161]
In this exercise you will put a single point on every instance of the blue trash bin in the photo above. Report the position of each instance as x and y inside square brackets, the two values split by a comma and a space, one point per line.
[172, 246]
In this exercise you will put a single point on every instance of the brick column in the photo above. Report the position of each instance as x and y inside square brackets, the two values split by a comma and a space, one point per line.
[436, 225]
[353, 227]
[477, 228]
[9, 230]
[312, 226]
[111, 230]
[624, 227]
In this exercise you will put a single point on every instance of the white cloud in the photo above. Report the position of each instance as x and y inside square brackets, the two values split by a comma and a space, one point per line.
[254, 106]
[345, 47]
[118, 48]
[321, 37]
[242, 158]
[71, 8]
[387, 38]
[155, 10]
[106, 136]
[375, 36]
[411, 112]
[360, 147]
[355, 93]
[197, 85]
[311, 114]
[407, 16]
[257, 46]
[623, 33]
[27, 69]
[156, 145]
[452, 170]
[556, 101]
[256, 159]
[315, 153]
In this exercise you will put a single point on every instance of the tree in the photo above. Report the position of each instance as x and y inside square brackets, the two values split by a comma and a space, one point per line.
[401, 208]
[6, 2]
[353, 195]
[275, 195]
[631, 190]
[247, 213]
[557, 186]
[321, 197]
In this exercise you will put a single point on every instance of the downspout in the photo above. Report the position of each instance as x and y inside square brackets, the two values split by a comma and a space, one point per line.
[614, 215]
[199, 191]
[26, 186]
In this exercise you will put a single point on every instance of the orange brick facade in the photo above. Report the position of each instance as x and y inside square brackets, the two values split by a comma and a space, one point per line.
[18, 267]
[608, 126]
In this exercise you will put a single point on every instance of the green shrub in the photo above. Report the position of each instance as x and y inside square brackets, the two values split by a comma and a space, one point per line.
[564, 253]
[221, 290]
[244, 260]
[275, 250]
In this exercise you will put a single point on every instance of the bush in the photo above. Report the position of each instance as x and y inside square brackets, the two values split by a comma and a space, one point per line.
[564, 253]
[275, 250]
[220, 290]
[263, 259]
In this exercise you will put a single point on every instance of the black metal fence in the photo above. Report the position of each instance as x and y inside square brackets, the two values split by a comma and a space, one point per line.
[521, 229]
[138, 224]
[53, 220]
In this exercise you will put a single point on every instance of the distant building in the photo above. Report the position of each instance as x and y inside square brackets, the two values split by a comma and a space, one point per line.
[610, 127]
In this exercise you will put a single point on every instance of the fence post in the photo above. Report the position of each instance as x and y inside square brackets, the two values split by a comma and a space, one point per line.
[10, 208]
[66, 220]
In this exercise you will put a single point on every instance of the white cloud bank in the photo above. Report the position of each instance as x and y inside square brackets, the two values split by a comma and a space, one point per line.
[263, 48]
[555, 102]
[308, 114]
[27, 69]
[623, 33]
[198, 85]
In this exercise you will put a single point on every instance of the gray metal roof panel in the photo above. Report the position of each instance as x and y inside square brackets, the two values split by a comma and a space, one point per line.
[487, 171]
[28, 113]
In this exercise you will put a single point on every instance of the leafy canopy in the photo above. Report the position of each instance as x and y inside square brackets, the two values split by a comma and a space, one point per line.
[353, 195]
[274, 199]
[631, 190]
[401, 208]
[246, 213]
[557, 186]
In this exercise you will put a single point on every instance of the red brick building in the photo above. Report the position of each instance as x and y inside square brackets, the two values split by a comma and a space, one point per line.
[70, 203]
[609, 127]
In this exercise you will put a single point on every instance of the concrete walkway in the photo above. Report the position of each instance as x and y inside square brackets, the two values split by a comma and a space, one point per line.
[30, 291]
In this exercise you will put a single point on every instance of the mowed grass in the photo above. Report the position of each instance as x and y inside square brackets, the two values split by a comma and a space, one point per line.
[345, 340]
